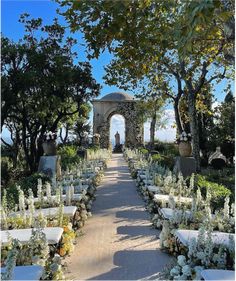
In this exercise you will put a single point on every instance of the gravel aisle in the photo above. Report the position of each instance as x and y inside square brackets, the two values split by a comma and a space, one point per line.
[118, 241]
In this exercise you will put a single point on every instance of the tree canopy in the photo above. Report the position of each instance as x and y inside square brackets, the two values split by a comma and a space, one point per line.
[150, 36]
[41, 86]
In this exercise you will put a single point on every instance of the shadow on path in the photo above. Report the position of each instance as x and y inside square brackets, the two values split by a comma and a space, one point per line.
[134, 265]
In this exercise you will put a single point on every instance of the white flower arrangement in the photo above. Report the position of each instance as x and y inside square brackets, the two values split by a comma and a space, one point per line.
[164, 235]
[11, 260]
[182, 271]
[184, 137]
[48, 192]
[31, 207]
[60, 214]
[49, 136]
[56, 268]
[171, 202]
[226, 208]
[38, 247]
[40, 193]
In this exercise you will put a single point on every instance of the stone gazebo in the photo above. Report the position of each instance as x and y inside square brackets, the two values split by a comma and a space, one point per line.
[117, 103]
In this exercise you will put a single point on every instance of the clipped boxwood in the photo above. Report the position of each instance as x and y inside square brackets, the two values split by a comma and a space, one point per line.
[218, 191]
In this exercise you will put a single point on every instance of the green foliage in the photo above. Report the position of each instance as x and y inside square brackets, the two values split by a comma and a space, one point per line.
[6, 167]
[94, 147]
[164, 160]
[176, 39]
[223, 129]
[156, 157]
[218, 192]
[42, 88]
[167, 148]
[168, 161]
[143, 151]
[69, 156]
[25, 183]
[225, 177]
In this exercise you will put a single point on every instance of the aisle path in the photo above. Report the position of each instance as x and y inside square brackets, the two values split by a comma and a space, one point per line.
[118, 241]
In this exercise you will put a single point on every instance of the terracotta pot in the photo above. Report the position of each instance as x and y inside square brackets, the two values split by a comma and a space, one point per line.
[49, 148]
[185, 149]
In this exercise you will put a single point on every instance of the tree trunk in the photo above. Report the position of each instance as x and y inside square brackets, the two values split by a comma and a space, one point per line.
[67, 133]
[177, 117]
[152, 130]
[194, 128]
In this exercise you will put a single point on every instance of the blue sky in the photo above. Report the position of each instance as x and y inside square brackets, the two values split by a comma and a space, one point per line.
[10, 27]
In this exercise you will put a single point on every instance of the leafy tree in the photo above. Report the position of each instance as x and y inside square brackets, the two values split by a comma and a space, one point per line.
[150, 106]
[223, 130]
[205, 19]
[81, 125]
[41, 87]
[147, 36]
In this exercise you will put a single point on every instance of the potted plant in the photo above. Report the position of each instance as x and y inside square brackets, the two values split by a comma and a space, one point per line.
[184, 141]
[49, 143]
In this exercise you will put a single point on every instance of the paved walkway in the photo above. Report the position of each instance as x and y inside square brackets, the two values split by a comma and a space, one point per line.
[118, 241]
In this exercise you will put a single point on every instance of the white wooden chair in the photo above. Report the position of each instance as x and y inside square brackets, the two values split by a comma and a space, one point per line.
[218, 274]
[27, 272]
[53, 235]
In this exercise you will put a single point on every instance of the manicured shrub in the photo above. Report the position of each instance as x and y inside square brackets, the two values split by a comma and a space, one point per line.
[218, 191]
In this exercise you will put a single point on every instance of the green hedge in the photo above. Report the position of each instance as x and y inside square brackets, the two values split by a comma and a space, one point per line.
[218, 191]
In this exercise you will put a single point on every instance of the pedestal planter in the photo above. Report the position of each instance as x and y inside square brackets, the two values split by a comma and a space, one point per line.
[49, 148]
[185, 149]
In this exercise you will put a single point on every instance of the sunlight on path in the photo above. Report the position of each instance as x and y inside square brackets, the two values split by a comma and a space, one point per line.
[118, 241]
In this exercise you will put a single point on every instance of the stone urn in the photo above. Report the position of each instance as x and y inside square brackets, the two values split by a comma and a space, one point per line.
[50, 147]
[185, 149]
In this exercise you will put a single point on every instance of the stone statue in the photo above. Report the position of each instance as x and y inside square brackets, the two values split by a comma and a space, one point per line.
[117, 137]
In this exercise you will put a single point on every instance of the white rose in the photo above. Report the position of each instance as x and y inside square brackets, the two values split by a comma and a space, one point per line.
[184, 134]
[185, 138]
[189, 134]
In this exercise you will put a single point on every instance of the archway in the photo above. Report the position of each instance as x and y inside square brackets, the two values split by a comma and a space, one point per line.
[117, 103]
[117, 124]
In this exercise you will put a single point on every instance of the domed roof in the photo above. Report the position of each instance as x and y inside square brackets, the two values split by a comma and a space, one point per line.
[117, 96]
